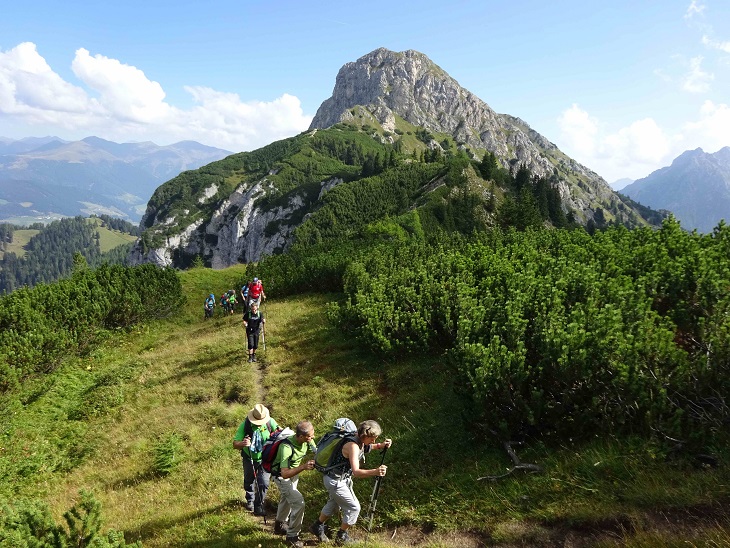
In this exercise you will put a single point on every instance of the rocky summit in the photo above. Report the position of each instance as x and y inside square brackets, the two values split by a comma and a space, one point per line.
[409, 85]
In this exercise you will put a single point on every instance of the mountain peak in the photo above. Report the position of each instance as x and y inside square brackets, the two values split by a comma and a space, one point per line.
[393, 87]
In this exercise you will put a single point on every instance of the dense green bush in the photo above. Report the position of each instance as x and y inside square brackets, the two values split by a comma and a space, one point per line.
[39, 326]
[167, 454]
[560, 332]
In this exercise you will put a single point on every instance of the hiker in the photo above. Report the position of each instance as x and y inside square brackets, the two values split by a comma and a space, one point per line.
[224, 303]
[249, 439]
[253, 321]
[209, 306]
[287, 466]
[338, 481]
[231, 301]
[256, 292]
[244, 296]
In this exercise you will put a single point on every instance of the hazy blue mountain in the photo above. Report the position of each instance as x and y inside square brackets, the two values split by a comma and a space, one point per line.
[11, 146]
[621, 183]
[47, 177]
[695, 188]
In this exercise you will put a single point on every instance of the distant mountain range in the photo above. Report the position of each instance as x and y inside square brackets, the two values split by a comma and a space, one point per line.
[43, 178]
[695, 188]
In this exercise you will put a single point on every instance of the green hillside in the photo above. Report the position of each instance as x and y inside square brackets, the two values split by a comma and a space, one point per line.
[179, 387]
[325, 184]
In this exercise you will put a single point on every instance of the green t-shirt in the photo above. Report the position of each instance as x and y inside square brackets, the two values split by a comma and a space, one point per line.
[246, 428]
[290, 454]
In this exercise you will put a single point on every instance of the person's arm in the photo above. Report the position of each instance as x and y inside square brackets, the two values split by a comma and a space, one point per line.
[240, 440]
[351, 451]
[286, 455]
[382, 445]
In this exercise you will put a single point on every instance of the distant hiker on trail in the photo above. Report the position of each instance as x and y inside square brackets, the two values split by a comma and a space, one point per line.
[338, 481]
[209, 306]
[250, 438]
[231, 301]
[224, 303]
[244, 296]
[253, 321]
[256, 292]
[286, 468]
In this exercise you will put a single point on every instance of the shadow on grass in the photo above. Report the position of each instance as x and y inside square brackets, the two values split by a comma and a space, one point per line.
[319, 349]
[202, 365]
[134, 481]
[226, 536]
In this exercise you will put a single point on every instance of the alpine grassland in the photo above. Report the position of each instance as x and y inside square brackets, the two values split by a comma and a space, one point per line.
[541, 388]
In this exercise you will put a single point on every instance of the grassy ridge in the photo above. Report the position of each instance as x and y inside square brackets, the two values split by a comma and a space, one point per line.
[109, 412]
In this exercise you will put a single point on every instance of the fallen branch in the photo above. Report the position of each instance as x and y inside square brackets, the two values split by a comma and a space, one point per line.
[518, 464]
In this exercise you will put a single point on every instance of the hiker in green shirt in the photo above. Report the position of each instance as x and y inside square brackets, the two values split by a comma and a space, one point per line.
[285, 471]
[249, 439]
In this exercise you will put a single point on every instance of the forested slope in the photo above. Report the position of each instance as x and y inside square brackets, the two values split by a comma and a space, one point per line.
[49, 254]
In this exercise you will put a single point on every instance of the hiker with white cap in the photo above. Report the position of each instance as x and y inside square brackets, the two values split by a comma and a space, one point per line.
[249, 439]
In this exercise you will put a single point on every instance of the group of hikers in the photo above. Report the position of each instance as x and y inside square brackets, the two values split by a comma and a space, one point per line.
[251, 292]
[268, 451]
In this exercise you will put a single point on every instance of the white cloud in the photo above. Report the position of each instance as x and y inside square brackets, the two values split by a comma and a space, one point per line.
[697, 80]
[695, 8]
[29, 88]
[124, 90]
[119, 102]
[712, 130]
[641, 147]
[716, 44]
[579, 130]
[632, 151]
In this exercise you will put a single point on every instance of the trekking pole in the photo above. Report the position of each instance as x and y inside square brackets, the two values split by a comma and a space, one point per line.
[257, 489]
[374, 498]
[263, 336]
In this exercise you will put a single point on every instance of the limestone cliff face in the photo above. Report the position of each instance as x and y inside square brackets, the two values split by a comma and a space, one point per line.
[237, 232]
[408, 84]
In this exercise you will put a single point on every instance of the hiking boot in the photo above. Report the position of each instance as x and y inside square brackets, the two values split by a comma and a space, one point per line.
[294, 542]
[259, 511]
[248, 506]
[250, 358]
[280, 528]
[342, 538]
[253, 358]
[319, 531]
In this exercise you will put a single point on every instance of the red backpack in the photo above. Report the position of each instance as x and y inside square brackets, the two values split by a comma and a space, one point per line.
[271, 448]
[254, 290]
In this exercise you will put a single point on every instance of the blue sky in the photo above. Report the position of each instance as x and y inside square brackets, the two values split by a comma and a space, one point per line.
[623, 88]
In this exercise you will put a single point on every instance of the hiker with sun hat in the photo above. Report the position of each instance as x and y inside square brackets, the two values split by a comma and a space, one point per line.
[249, 439]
